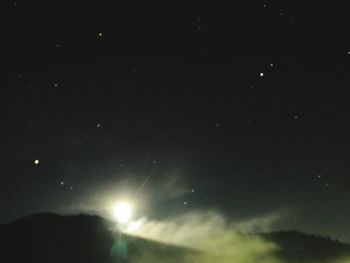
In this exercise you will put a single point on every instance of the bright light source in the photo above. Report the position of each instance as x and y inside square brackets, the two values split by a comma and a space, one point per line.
[122, 212]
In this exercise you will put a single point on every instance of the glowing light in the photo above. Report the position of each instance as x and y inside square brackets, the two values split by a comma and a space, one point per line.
[134, 226]
[36, 162]
[122, 212]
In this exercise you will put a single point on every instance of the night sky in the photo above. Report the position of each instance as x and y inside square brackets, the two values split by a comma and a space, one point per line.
[242, 109]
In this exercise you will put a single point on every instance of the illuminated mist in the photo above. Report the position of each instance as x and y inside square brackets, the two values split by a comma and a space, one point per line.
[217, 239]
[209, 233]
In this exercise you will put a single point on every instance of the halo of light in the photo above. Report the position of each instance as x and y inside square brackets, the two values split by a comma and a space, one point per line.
[123, 212]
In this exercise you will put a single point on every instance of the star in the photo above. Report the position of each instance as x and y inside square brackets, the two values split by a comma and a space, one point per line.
[36, 162]
[261, 74]
[100, 34]
[98, 125]
[291, 20]
[62, 183]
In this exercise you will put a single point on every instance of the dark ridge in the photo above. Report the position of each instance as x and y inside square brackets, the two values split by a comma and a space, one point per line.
[79, 238]
[298, 246]
[92, 239]
[54, 238]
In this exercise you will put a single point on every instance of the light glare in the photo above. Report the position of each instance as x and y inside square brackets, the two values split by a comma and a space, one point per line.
[122, 212]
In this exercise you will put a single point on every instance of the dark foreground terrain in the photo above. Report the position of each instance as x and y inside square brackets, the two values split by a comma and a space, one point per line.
[53, 238]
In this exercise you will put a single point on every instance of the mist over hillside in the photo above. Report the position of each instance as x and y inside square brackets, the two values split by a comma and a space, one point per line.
[83, 238]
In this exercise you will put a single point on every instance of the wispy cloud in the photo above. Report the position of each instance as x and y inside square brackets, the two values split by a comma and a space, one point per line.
[219, 239]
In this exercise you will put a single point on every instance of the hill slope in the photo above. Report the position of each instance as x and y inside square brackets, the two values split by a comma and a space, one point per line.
[91, 239]
[300, 247]
[81, 238]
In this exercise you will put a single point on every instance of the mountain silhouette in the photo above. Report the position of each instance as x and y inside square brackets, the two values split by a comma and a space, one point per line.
[296, 246]
[92, 239]
[81, 238]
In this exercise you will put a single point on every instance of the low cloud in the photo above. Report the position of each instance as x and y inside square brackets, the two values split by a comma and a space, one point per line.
[218, 239]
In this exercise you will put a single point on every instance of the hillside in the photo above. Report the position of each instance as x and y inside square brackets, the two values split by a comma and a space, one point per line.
[301, 247]
[81, 238]
[91, 239]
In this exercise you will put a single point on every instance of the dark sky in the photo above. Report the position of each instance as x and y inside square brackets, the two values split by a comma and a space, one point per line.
[243, 109]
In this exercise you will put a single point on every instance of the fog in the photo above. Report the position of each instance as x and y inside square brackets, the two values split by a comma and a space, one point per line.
[219, 239]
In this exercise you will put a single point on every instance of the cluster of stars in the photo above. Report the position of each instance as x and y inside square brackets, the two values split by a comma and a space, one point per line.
[282, 13]
[323, 180]
[197, 23]
[262, 74]
[62, 183]
[186, 202]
